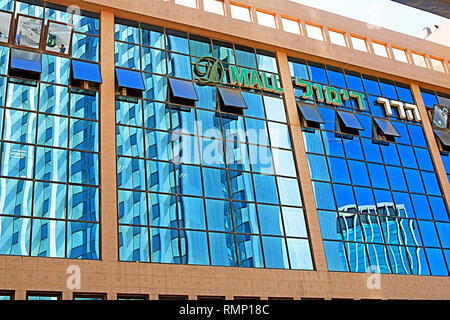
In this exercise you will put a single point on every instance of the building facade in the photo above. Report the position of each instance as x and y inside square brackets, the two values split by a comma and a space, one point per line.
[213, 149]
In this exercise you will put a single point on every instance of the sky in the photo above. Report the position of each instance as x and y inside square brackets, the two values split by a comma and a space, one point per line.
[385, 13]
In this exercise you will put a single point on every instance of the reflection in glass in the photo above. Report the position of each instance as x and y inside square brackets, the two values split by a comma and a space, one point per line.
[249, 251]
[59, 37]
[223, 249]
[28, 32]
[275, 252]
[14, 236]
[440, 116]
[83, 240]
[195, 248]
[133, 244]
[5, 23]
[48, 238]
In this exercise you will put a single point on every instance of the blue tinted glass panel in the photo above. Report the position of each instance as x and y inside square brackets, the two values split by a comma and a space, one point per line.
[335, 254]
[86, 71]
[82, 240]
[232, 98]
[133, 244]
[195, 248]
[129, 79]
[223, 249]
[299, 254]
[275, 252]
[310, 113]
[350, 120]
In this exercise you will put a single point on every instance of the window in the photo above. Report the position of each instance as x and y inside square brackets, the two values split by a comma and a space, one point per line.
[384, 130]
[419, 59]
[380, 49]
[172, 297]
[314, 32]
[292, 26]
[359, 43]
[337, 37]
[130, 83]
[437, 64]
[85, 72]
[59, 38]
[182, 92]
[214, 6]
[89, 296]
[6, 295]
[5, 24]
[187, 3]
[26, 60]
[231, 101]
[348, 123]
[443, 140]
[210, 298]
[25, 64]
[43, 296]
[440, 116]
[132, 296]
[266, 19]
[240, 13]
[310, 115]
[400, 54]
[28, 31]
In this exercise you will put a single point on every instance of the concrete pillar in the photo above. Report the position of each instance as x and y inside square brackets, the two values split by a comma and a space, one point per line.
[253, 16]
[326, 35]
[20, 295]
[309, 203]
[111, 296]
[226, 8]
[370, 46]
[200, 5]
[67, 295]
[108, 184]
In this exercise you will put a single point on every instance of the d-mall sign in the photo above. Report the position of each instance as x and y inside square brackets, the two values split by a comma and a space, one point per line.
[210, 71]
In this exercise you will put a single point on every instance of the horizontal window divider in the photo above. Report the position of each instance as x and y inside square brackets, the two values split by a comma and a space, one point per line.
[48, 218]
[53, 182]
[209, 198]
[211, 231]
[49, 146]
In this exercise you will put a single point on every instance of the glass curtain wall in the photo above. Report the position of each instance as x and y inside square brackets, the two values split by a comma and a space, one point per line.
[438, 116]
[379, 204]
[49, 179]
[199, 186]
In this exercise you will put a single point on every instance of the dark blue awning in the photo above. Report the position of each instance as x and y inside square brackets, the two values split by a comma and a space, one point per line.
[86, 71]
[182, 89]
[350, 120]
[386, 127]
[130, 79]
[232, 98]
[310, 113]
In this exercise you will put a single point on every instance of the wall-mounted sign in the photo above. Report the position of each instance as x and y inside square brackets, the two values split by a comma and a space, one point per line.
[210, 71]
[336, 97]
[405, 110]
